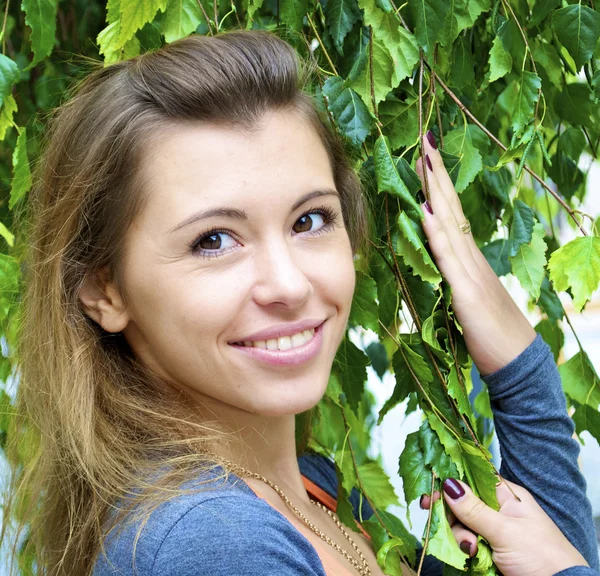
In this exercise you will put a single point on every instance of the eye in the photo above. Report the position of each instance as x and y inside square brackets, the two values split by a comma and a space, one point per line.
[213, 243]
[308, 223]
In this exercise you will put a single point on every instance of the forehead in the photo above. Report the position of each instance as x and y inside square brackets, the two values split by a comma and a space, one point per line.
[209, 163]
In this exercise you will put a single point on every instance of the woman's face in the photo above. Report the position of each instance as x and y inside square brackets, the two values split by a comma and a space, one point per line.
[238, 270]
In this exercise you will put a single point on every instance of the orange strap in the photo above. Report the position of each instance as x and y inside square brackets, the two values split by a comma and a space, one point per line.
[324, 498]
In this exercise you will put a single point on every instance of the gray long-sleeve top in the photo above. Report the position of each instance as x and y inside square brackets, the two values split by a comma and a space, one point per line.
[232, 531]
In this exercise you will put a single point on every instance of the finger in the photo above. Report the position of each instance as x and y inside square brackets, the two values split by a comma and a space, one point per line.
[446, 259]
[471, 511]
[439, 169]
[426, 500]
[466, 540]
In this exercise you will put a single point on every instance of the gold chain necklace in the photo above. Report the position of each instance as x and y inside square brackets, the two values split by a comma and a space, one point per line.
[362, 568]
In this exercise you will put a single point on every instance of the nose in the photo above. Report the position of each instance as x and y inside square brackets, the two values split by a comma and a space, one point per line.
[281, 276]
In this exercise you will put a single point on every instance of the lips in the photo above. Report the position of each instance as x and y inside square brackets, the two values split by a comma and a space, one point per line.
[288, 357]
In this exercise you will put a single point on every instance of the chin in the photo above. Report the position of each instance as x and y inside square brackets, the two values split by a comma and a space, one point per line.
[289, 404]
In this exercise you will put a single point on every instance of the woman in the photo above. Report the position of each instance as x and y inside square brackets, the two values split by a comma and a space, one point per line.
[189, 283]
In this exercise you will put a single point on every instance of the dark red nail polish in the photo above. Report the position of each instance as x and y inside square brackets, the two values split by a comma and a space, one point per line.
[453, 489]
[465, 546]
[431, 139]
[428, 162]
[428, 207]
[421, 501]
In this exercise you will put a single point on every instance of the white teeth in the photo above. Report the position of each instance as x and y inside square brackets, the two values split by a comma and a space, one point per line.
[297, 340]
[283, 343]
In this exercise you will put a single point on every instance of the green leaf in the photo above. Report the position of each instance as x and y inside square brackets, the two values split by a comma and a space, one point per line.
[527, 97]
[182, 17]
[340, 16]
[434, 454]
[596, 83]
[482, 403]
[351, 115]
[6, 115]
[482, 477]
[461, 14]
[387, 290]
[580, 381]
[459, 142]
[550, 303]
[110, 47]
[364, 307]
[7, 234]
[552, 335]
[400, 121]
[578, 29]
[21, 182]
[413, 251]
[292, 12]
[587, 418]
[9, 74]
[378, 356]
[449, 442]
[40, 16]
[572, 141]
[541, 9]
[521, 228]
[462, 73]
[416, 475]
[377, 485]
[483, 561]
[429, 17]
[575, 103]
[351, 364]
[496, 253]
[388, 179]
[576, 265]
[529, 263]
[547, 58]
[389, 35]
[405, 383]
[456, 391]
[442, 544]
[135, 14]
[500, 60]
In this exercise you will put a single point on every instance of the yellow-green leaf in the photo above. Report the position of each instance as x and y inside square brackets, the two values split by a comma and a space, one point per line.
[7, 234]
[40, 16]
[135, 14]
[9, 74]
[442, 544]
[21, 182]
[576, 265]
[181, 18]
[6, 116]
[529, 263]
[413, 251]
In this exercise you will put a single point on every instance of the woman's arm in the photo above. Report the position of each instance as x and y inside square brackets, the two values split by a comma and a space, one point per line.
[530, 413]
[536, 442]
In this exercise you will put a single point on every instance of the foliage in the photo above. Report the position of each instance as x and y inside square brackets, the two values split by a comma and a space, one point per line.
[509, 87]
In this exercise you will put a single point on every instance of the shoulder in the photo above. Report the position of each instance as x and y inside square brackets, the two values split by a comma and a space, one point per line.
[212, 532]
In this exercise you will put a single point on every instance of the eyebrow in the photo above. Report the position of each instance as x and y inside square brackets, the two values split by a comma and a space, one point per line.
[236, 214]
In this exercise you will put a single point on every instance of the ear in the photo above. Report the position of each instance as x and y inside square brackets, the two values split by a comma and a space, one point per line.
[102, 302]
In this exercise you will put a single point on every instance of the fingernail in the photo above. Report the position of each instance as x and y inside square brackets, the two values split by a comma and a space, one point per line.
[465, 546]
[428, 207]
[453, 489]
[428, 162]
[421, 501]
[431, 139]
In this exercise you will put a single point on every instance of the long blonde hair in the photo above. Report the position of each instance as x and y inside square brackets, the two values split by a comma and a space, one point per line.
[96, 423]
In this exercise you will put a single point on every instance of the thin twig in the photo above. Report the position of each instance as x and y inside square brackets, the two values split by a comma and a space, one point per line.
[421, 135]
[428, 529]
[210, 30]
[4, 26]
[592, 149]
[363, 492]
[314, 29]
[371, 74]
[504, 148]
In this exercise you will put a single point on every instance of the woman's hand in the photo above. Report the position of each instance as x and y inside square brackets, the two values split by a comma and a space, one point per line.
[525, 542]
[494, 328]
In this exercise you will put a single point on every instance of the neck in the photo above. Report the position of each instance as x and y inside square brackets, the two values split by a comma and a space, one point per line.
[262, 444]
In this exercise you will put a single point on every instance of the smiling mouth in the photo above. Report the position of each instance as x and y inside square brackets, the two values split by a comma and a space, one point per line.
[282, 343]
